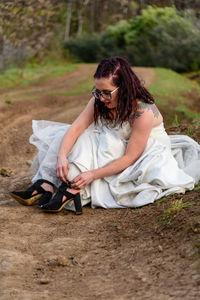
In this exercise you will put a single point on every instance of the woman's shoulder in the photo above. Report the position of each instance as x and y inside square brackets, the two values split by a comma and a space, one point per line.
[148, 110]
[142, 105]
[145, 106]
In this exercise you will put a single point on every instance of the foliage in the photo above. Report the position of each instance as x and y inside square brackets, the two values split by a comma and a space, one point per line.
[26, 29]
[158, 37]
[31, 29]
[162, 37]
[85, 47]
[197, 188]
[170, 213]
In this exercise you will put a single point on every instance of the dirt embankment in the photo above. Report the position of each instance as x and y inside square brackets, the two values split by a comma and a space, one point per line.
[102, 254]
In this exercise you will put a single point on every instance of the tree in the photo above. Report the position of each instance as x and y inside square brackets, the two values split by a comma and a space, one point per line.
[26, 28]
[68, 21]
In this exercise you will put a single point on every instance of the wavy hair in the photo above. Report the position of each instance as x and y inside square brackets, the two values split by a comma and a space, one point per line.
[130, 90]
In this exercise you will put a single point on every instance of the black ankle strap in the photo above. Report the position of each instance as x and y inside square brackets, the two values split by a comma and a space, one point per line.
[64, 186]
[37, 186]
[69, 184]
[40, 181]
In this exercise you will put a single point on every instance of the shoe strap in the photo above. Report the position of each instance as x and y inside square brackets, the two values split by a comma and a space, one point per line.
[62, 188]
[37, 186]
[40, 181]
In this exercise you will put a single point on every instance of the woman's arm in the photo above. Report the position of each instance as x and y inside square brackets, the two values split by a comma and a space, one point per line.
[141, 129]
[78, 126]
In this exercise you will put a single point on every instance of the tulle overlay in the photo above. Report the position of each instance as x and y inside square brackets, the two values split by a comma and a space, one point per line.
[169, 163]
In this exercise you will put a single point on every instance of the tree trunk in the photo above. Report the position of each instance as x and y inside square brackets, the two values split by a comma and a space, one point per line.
[80, 21]
[141, 4]
[68, 21]
[81, 8]
[92, 16]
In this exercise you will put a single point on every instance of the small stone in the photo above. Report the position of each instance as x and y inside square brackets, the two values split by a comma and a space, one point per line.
[5, 265]
[29, 162]
[44, 281]
[52, 261]
[62, 261]
[160, 248]
[6, 172]
[91, 231]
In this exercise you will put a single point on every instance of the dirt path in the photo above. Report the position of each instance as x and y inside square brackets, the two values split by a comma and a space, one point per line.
[102, 254]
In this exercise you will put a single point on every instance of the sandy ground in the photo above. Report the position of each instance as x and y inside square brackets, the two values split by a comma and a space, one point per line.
[101, 254]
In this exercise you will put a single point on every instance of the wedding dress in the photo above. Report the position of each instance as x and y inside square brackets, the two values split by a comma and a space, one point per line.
[169, 164]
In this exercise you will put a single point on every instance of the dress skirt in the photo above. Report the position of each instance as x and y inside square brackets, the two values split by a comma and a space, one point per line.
[169, 164]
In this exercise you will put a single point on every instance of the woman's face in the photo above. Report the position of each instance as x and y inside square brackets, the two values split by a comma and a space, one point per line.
[105, 86]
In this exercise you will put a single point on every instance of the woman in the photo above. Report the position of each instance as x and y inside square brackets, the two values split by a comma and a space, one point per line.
[116, 154]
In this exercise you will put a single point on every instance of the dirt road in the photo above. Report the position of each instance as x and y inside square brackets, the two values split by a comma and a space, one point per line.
[102, 254]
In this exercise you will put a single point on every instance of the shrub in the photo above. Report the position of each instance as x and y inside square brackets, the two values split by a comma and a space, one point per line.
[159, 37]
[85, 47]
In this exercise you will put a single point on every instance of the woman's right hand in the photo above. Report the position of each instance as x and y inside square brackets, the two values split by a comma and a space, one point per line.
[62, 168]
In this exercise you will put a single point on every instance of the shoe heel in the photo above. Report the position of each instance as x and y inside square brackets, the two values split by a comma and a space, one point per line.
[77, 203]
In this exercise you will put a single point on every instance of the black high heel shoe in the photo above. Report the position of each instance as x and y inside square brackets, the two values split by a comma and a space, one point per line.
[56, 204]
[26, 197]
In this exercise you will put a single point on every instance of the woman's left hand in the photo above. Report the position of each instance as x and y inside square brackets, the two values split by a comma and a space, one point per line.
[80, 181]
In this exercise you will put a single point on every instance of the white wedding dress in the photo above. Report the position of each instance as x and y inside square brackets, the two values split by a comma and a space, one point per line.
[169, 164]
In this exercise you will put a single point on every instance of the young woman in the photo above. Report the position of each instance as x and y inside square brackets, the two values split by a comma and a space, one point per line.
[116, 154]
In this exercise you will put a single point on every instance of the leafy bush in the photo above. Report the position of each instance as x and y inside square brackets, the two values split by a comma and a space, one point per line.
[158, 37]
[162, 37]
[85, 47]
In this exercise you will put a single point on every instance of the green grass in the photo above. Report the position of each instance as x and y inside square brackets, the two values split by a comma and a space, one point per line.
[163, 199]
[170, 84]
[79, 88]
[33, 73]
[197, 188]
[174, 94]
[188, 113]
[166, 218]
[8, 101]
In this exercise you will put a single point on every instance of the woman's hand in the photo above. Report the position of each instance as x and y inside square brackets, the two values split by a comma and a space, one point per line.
[80, 181]
[62, 168]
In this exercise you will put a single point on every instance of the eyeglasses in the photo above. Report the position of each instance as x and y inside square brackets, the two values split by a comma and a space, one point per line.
[107, 95]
